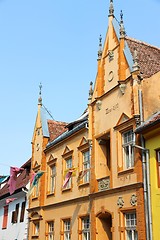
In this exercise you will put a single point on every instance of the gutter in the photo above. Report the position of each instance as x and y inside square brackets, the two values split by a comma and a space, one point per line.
[146, 174]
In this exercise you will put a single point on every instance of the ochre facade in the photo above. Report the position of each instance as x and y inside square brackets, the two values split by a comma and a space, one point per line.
[104, 196]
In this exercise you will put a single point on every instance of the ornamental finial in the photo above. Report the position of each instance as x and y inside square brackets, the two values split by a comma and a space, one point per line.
[122, 29]
[111, 9]
[135, 66]
[90, 92]
[40, 92]
[100, 48]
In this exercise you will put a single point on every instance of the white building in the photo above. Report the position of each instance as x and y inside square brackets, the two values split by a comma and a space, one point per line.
[13, 215]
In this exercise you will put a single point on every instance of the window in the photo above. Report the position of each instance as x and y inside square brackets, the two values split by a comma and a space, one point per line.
[50, 230]
[127, 138]
[36, 228]
[52, 178]
[130, 226]
[86, 228]
[15, 214]
[68, 166]
[67, 229]
[22, 211]
[158, 166]
[5, 217]
[86, 166]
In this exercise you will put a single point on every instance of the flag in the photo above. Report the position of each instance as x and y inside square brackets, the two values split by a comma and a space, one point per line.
[35, 182]
[67, 177]
[32, 175]
[82, 174]
[13, 177]
[9, 200]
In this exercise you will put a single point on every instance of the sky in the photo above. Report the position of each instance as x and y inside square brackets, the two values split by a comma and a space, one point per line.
[55, 43]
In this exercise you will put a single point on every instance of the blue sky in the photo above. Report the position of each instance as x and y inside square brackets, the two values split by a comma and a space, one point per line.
[55, 43]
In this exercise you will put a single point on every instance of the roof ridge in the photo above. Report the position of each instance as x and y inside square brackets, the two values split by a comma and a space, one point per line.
[142, 42]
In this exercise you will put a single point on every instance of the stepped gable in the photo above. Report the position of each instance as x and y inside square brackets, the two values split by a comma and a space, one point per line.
[148, 55]
[56, 128]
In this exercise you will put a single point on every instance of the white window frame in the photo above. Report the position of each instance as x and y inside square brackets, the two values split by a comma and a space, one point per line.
[52, 178]
[128, 151]
[130, 226]
[86, 165]
[50, 230]
[68, 163]
[36, 228]
[67, 229]
[86, 228]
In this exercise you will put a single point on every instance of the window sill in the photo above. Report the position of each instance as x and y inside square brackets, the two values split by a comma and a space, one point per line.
[66, 189]
[83, 185]
[35, 237]
[34, 198]
[50, 194]
[126, 171]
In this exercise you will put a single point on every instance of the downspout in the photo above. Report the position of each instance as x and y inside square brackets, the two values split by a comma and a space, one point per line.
[146, 175]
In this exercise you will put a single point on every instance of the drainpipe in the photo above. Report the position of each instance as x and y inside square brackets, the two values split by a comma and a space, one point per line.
[146, 175]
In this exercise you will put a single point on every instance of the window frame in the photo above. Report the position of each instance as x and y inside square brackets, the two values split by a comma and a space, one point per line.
[85, 231]
[158, 166]
[83, 178]
[36, 228]
[23, 207]
[50, 233]
[86, 178]
[66, 229]
[15, 214]
[5, 217]
[128, 150]
[68, 165]
[129, 227]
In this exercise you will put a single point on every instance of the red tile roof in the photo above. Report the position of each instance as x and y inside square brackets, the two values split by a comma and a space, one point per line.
[153, 120]
[56, 128]
[149, 56]
[22, 180]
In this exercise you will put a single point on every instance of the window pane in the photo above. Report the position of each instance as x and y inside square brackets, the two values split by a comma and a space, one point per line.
[86, 228]
[68, 166]
[52, 178]
[86, 165]
[130, 225]
[50, 230]
[67, 225]
[128, 149]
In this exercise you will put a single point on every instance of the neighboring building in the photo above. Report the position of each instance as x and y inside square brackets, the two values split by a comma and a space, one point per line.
[150, 130]
[104, 196]
[13, 214]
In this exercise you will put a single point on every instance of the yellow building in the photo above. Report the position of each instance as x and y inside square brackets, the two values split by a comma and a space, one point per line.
[93, 185]
[150, 130]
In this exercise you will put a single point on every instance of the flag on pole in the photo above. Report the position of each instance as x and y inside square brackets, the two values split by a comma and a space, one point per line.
[82, 174]
[9, 200]
[35, 182]
[14, 171]
[67, 177]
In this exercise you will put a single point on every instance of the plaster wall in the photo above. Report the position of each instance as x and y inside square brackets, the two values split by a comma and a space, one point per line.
[58, 213]
[113, 106]
[152, 144]
[17, 230]
[57, 152]
[150, 93]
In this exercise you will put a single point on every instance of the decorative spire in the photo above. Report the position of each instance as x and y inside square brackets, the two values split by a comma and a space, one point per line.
[135, 66]
[111, 9]
[122, 29]
[90, 91]
[40, 98]
[100, 48]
